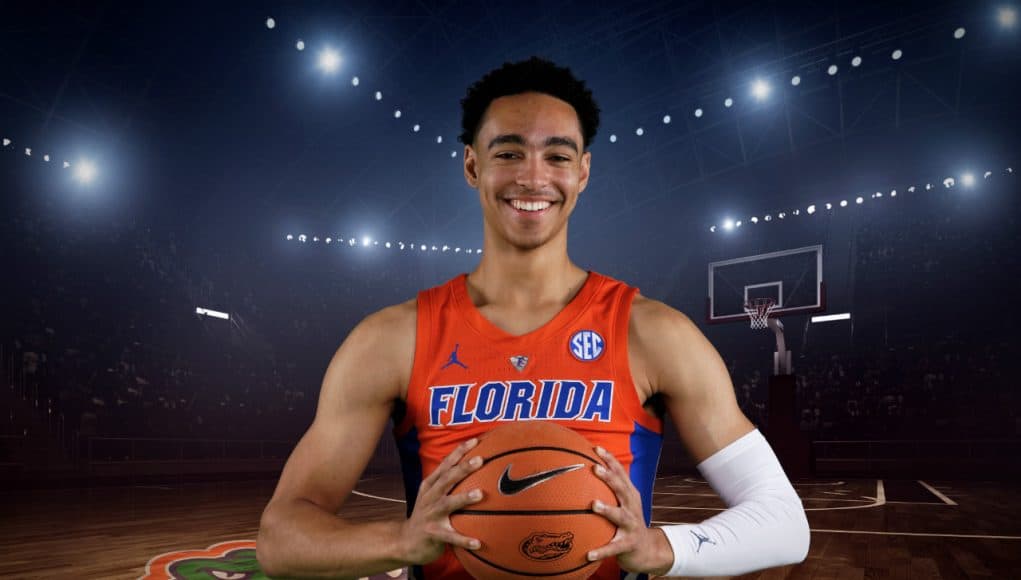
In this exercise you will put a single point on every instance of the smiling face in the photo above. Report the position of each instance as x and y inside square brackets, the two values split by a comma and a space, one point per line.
[528, 164]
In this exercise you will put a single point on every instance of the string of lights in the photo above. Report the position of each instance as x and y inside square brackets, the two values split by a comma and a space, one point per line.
[83, 170]
[759, 89]
[966, 180]
[369, 243]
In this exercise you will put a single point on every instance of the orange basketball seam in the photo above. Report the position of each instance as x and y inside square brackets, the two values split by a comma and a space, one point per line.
[523, 573]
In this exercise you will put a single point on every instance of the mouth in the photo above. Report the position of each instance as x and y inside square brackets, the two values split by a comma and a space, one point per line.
[529, 208]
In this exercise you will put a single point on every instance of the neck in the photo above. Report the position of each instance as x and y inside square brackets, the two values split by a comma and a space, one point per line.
[510, 276]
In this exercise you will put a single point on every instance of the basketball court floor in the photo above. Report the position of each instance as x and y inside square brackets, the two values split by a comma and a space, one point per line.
[861, 528]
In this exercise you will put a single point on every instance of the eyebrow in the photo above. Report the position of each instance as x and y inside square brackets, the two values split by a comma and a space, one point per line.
[519, 140]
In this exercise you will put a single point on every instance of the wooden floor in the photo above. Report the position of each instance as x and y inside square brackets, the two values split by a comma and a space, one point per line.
[860, 528]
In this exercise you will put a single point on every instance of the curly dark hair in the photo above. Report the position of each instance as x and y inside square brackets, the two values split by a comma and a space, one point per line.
[533, 75]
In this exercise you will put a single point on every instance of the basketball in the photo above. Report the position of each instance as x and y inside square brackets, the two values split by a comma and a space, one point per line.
[535, 518]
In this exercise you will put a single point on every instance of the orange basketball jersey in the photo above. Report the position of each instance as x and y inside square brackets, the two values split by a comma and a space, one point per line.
[469, 376]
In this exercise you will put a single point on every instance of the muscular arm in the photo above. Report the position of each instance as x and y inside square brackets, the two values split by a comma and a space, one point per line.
[299, 534]
[765, 523]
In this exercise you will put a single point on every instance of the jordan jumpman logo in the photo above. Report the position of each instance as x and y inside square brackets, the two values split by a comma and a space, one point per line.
[453, 359]
[701, 540]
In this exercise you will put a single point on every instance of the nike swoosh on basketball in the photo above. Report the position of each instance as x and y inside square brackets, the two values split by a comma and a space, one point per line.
[510, 486]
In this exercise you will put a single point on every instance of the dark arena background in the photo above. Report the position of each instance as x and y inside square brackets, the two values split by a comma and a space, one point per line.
[294, 167]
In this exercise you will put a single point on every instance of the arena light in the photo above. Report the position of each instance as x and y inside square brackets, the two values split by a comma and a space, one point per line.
[639, 131]
[949, 182]
[986, 174]
[329, 60]
[439, 139]
[832, 70]
[379, 95]
[728, 224]
[214, 313]
[666, 119]
[1007, 16]
[795, 80]
[859, 200]
[811, 209]
[897, 54]
[712, 229]
[968, 180]
[290, 237]
[302, 238]
[843, 203]
[453, 154]
[28, 151]
[856, 61]
[366, 240]
[738, 224]
[416, 128]
[760, 89]
[85, 171]
[755, 220]
[397, 113]
[300, 45]
[355, 81]
[613, 138]
[698, 113]
[329, 240]
[831, 317]
[829, 205]
[271, 24]
[728, 102]
[6, 141]
[959, 33]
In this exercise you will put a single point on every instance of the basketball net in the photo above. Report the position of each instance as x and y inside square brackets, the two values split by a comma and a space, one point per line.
[758, 310]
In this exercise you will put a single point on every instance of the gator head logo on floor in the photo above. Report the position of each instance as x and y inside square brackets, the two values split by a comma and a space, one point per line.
[233, 560]
[545, 546]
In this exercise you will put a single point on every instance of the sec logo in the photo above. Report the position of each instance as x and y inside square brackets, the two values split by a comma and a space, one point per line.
[587, 345]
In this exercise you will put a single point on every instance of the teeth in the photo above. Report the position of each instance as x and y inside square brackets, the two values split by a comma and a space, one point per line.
[530, 205]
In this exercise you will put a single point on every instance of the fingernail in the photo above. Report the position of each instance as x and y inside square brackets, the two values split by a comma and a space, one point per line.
[474, 545]
[600, 450]
[472, 442]
[475, 495]
[598, 505]
[591, 556]
[475, 461]
[600, 470]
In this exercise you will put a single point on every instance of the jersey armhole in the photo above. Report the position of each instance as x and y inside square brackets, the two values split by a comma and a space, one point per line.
[415, 394]
[622, 362]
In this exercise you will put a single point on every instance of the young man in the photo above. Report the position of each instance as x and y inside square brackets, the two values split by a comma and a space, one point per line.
[528, 335]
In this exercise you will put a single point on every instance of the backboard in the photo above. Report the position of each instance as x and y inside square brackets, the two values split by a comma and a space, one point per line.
[791, 277]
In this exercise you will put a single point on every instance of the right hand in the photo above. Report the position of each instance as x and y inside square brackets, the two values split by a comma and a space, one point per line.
[428, 530]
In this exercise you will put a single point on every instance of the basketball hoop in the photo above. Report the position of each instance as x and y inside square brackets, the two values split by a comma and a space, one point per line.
[758, 310]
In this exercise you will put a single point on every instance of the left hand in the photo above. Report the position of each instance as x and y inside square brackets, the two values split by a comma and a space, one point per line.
[636, 547]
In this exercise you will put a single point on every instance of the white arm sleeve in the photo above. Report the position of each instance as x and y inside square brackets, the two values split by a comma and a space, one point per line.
[764, 525]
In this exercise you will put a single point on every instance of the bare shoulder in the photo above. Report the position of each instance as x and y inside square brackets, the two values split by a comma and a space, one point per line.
[664, 344]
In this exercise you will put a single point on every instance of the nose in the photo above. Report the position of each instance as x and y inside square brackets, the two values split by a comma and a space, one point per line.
[533, 174]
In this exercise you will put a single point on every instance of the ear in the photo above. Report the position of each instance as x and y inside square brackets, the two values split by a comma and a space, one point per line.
[471, 167]
[586, 165]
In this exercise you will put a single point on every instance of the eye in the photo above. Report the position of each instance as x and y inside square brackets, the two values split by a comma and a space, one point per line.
[559, 158]
[506, 155]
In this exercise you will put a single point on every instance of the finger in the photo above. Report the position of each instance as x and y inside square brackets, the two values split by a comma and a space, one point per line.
[621, 486]
[449, 461]
[449, 536]
[614, 548]
[457, 501]
[617, 516]
[455, 474]
[611, 461]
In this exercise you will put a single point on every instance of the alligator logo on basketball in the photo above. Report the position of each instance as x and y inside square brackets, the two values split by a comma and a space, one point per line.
[546, 546]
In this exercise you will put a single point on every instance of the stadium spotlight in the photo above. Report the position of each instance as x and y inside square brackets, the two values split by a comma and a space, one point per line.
[46, 158]
[811, 209]
[271, 24]
[760, 89]
[666, 119]
[315, 238]
[897, 54]
[781, 215]
[829, 205]
[856, 61]
[329, 60]
[639, 131]
[613, 138]
[445, 248]
[387, 245]
[832, 70]
[379, 95]
[416, 128]
[6, 141]
[843, 203]
[986, 174]
[728, 224]
[797, 212]
[755, 220]
[859, 200]
[1007, 16]
[712, 229]
[423, 247]
[968, 179]
[457, 250]
[28, 151]
[769, 218]
[329, 240]
[959, 33]
[366, 240]
[300, 45]
[911, 189]
[355, 81]
[302, 238]
[401, 244]
[397, 113]
[878, 194]
[949, 182]
[439, 139]
[928, 186]
[290, 237]
[698, 113]
[85, 171]
[738, 224]
[795, 80]
[893, 193]
[351, 242]
[728, 102]
[66, 165]
[453, 154]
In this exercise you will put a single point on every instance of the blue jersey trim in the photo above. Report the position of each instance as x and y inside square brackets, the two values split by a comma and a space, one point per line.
[645, 448]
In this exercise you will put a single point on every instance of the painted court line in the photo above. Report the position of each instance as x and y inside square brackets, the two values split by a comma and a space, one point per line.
[937, 493]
